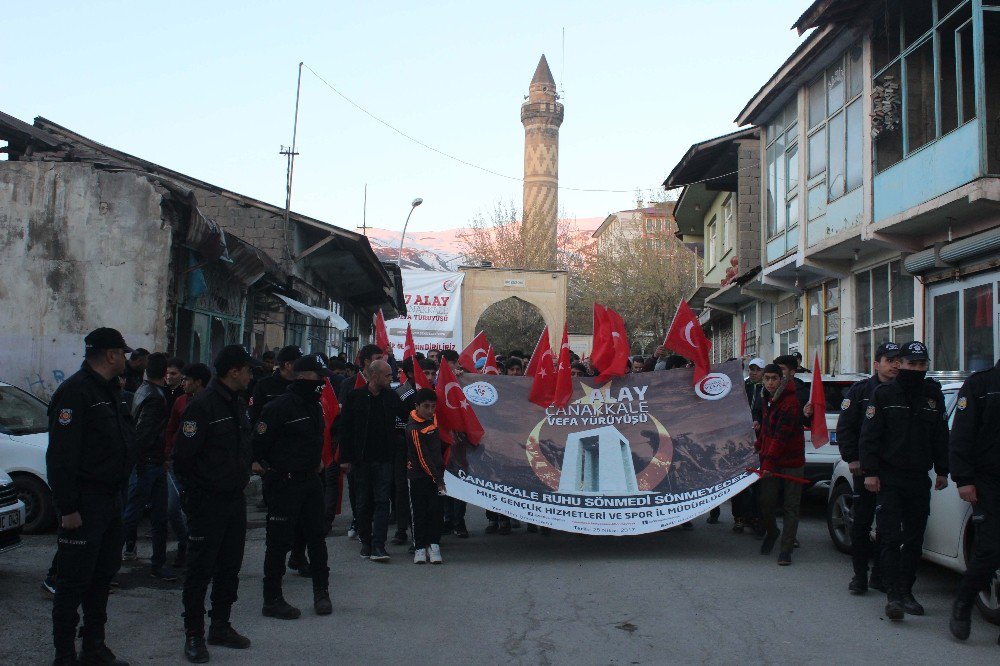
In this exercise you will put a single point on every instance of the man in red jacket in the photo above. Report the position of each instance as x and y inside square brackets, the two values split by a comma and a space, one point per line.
[781, 444]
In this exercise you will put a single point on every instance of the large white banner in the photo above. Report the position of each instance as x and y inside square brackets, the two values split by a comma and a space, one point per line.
[433, 311]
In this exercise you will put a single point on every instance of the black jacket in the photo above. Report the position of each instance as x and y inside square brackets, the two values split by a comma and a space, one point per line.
[212, 449]
[356, 420]
[90, 436]
[266, 390]
[289, 435]
[149, 416]
[904, 434]
[755, 396]
[423, 450]
[852, 413]
[975, 434]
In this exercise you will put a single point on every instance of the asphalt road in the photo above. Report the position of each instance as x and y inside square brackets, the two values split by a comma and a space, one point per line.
[704, 596]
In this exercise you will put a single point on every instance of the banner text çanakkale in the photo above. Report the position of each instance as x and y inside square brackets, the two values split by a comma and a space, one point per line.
[433, 310]
[638, 454]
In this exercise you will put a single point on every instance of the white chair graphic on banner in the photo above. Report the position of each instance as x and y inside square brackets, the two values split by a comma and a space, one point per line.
[598, 462]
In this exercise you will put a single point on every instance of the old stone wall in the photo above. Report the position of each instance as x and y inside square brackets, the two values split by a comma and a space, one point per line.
[748, 208]
[79, 248]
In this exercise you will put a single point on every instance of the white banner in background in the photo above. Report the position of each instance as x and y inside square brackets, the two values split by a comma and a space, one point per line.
[433, 310]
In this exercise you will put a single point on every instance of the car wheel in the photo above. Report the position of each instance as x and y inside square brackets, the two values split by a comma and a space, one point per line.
[39, 509]
[839, 518]
[988, 600]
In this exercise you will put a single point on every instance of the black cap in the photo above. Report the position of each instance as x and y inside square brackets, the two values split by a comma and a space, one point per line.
[887, 350]
[914, 351]
[105, 338]
[312, 363]
[233, 356]
[288, 354]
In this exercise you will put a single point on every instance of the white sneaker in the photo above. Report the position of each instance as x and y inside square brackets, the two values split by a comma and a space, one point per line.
[420, 556]
[435, 553]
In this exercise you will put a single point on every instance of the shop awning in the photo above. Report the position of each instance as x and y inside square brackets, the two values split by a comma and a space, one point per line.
[335, 319]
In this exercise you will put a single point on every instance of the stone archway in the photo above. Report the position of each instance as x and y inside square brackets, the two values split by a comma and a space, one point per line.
[482, 287]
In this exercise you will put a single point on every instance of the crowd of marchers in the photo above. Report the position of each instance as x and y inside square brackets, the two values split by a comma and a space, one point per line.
[134, 431]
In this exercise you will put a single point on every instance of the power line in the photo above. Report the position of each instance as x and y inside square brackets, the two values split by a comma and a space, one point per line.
[449, 155]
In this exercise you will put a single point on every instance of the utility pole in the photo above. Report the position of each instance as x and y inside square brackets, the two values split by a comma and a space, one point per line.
[290, 154]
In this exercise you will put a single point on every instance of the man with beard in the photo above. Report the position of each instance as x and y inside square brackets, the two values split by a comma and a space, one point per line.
[904, 434]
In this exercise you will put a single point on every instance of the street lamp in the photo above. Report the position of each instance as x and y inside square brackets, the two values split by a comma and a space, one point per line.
[399, 257]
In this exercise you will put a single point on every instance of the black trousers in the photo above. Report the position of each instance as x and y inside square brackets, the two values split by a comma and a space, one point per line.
[863, 551]
[294, 505]
[426, 507]
[901, 513]
[986, 553]
[217, 530]
[373, 485]
[87, 559]
[454, 510]
[331, 492]
[400, 497]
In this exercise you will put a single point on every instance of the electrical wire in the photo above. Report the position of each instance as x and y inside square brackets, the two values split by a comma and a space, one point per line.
[467, 163]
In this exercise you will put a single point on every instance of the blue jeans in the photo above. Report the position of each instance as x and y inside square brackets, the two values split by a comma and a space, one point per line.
[150, 488]
[175, 512]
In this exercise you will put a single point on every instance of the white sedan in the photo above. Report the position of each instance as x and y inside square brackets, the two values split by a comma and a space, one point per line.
[24, 438]
[948, 538]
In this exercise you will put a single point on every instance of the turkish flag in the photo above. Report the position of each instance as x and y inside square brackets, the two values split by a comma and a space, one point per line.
[564, 378]
[543, 380]
[490, 368]
[603, 346]
[476, 350]
[687, 338]
[359, 380]
[817, 398]
[540, 348]
[454, 413]
[381, 334]
[617, 360]
[331, 408]
[409, 351]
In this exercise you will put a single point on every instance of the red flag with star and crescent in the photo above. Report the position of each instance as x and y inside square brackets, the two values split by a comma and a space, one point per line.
[616, 358]
[603, 348]
[540, 348]
[331, 408]
[454, 413]
[818, 427]
[410, 351]
[564, 379]
[475, 350]
[490, 367]
[381, 334]
[543, 382]
[687, 338]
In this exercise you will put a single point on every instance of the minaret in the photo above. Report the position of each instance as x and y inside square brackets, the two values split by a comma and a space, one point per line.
[541, 116]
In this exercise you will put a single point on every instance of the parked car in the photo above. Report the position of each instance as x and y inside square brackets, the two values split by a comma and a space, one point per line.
[24, 438]
[820, 462]
[11, 514]
[948, 538]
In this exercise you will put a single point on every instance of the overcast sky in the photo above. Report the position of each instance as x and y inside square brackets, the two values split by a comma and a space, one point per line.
[208, 89]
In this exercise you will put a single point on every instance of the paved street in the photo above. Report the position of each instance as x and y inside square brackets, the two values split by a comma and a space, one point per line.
[704, 596]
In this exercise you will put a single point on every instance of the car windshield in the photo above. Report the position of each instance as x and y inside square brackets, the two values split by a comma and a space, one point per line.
[834, 392]
[21, 413]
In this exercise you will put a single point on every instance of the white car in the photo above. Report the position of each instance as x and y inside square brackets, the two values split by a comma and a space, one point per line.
[11, 514]
[948, 538]
[24, 438]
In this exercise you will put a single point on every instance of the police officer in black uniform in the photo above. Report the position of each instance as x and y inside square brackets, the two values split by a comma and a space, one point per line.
[287, 450]
[88, 466]
[903, 435]
[852, 414]
[975, 468]
[212, 460]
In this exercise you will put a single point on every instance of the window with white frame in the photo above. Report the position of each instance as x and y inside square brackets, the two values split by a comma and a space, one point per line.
[823, 325]
[765, 338]
[835, 117]
[883, 307]
[748, 319]
[727, 223]
[781, 173]
[924, 79]
[786, 325]
[713, 238]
